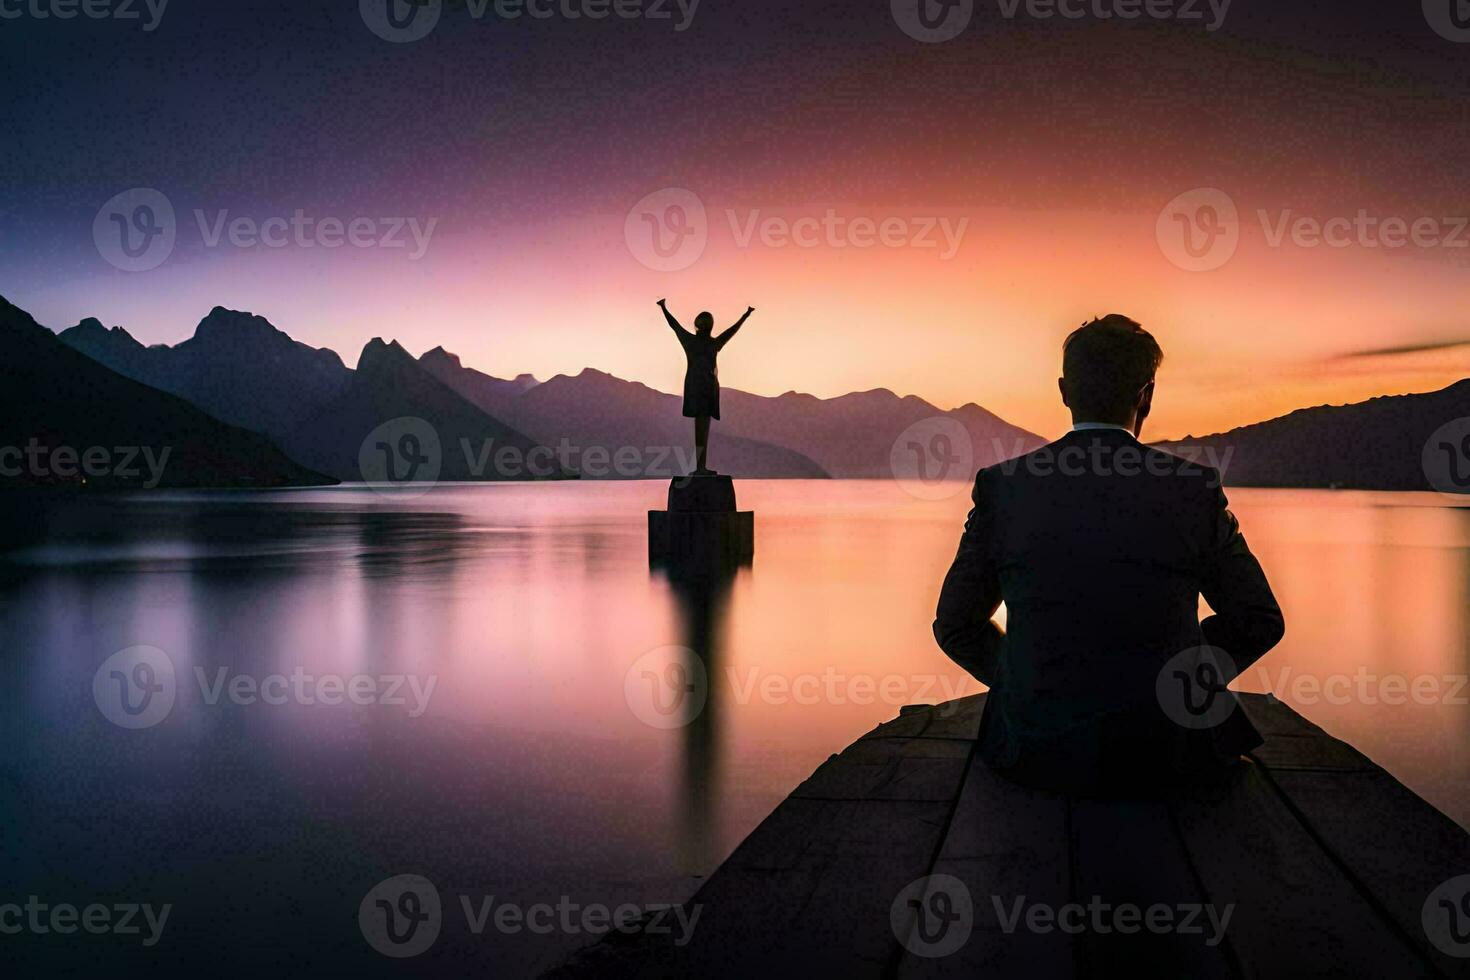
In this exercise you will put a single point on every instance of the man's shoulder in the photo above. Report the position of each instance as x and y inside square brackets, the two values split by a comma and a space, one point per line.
[1100, 457]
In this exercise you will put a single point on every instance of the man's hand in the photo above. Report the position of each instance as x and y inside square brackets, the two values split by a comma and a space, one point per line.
[749, 310]
[663, 302]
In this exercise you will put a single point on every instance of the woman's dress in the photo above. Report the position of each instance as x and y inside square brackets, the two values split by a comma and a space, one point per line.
[701, 379]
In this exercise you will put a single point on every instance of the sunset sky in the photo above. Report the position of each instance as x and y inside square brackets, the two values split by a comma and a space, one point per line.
[1055, 145]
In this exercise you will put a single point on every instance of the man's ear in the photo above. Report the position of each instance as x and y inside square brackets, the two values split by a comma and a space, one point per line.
[1062, 387]
[1145, 401]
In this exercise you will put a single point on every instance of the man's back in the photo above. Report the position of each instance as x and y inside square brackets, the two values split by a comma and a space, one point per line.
[1100, 548]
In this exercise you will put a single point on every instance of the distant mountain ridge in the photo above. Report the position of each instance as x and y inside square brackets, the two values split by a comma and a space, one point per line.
[1378, 444]
[242, 370]
[596, 412]
[389, 386]
[237, 367]
[101, 429]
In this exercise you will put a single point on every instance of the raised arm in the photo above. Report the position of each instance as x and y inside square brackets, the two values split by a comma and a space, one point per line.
[725, 337]
[678, 327]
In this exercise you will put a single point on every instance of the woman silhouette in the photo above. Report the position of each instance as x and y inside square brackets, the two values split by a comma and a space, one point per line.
[702, 379]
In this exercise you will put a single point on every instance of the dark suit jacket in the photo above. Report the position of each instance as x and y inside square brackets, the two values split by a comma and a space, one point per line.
[1100, 548]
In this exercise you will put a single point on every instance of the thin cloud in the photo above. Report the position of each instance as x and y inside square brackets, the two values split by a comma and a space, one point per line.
[1404, 349]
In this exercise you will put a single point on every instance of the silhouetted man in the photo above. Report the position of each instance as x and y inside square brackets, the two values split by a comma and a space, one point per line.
[1100, 548]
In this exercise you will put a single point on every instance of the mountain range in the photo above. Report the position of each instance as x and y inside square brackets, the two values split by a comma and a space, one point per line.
[1378, 444]
[242, 371]
[68, 421]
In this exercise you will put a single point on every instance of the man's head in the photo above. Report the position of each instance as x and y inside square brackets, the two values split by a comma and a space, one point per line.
[704, 323]
[1108, 368]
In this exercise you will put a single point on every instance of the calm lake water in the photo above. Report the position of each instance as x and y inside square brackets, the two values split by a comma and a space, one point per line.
[508, 646]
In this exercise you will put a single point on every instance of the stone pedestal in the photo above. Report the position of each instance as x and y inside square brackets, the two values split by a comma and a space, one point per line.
[701, 530]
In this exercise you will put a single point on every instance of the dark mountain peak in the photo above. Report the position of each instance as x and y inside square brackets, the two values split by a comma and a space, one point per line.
[90, 335]
[380, 356]
[525, 381]
[13, 318]
[439, 356]
[233, 323]
[232, 333]
[871, 395]
[59, 394]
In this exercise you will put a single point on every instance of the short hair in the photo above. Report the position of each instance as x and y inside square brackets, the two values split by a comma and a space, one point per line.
[1106, 363]
[705, 321]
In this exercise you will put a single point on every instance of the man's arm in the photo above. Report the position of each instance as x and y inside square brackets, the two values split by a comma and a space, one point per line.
[963, 625]
[726, 337]
[663, 304]
[1247, 621]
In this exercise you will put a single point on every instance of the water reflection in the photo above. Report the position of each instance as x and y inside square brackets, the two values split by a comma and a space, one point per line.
[703, 601]
[528, 775]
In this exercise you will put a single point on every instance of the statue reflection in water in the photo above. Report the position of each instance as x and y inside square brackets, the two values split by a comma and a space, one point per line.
[702, 602]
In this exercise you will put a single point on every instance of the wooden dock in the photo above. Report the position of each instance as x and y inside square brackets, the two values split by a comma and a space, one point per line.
[906, 856]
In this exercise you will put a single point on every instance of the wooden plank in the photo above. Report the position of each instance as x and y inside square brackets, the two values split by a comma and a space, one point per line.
[1292, 742]
[1148, 915]
[1294, 913]
[891, 769]
[1321, 860]
[1395, 847]
[812, 888]
[1005, 841]
[959, 719]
